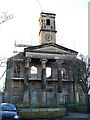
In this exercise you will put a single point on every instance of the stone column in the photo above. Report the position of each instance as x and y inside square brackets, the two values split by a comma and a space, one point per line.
[76, 91]
[70, 92]
[26, 78]
[76, 95]
[43, 80]
[59, 77]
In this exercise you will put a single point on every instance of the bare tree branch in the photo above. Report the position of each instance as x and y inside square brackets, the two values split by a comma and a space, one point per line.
[4, 17]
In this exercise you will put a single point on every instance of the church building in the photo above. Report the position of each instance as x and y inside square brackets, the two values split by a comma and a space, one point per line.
[46, 73]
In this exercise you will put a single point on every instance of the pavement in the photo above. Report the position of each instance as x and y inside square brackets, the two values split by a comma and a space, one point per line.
[76, 116]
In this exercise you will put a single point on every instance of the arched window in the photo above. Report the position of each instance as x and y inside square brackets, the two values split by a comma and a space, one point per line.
[17, 70]
[47, 22]
[63, 73]
[48, 72]
[33, 70]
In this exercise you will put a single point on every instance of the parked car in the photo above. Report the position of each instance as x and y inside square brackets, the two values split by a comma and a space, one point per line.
[8, 111]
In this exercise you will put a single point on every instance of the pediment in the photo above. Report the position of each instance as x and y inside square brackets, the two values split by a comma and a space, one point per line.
[50, 48]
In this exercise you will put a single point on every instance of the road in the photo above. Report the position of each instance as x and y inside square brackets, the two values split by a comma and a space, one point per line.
[70, 116]
[76, 116]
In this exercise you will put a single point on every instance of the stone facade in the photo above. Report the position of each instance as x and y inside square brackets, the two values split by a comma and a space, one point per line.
[43, 74]
[28, 81]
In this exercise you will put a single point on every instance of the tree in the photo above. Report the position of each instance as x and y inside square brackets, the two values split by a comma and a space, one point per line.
[80, 71]
[83, 76]
[4, 17]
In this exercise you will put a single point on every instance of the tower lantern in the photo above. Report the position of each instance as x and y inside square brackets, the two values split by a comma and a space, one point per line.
[47, 31]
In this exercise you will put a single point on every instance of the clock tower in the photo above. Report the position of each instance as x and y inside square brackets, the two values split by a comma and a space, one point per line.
[47, 31]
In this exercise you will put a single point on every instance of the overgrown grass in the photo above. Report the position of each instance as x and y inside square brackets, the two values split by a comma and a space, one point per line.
[25, 112]
[73, 107]
[42, 114]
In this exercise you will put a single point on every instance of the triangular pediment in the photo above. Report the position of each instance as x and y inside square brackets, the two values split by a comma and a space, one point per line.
[50, 48]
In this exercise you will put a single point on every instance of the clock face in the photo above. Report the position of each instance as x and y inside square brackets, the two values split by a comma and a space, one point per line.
[48, 37]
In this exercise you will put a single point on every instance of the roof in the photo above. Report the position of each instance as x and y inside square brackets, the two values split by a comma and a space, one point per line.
[48, 13]
[18, 57]
[49, 47]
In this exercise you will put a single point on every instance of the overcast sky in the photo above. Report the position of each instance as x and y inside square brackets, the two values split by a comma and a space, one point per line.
[71, 24]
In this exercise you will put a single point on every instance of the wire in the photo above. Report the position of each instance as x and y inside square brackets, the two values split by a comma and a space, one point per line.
[39, 5]
[3, 74]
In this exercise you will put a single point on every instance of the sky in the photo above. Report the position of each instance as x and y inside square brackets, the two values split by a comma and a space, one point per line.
[71, 25]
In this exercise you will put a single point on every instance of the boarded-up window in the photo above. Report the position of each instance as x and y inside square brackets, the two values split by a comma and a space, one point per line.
[51, 100]
[34, 97]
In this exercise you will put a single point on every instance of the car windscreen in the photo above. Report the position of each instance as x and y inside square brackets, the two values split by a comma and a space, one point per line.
[8, 107]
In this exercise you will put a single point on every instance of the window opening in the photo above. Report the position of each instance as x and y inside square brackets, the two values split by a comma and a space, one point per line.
[17, 71]
[48, 22]
[63, 73]
[52, 27]
[33, 70]
[48, 72]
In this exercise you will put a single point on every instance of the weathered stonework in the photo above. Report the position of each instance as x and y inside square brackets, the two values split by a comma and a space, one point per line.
[26, 77]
